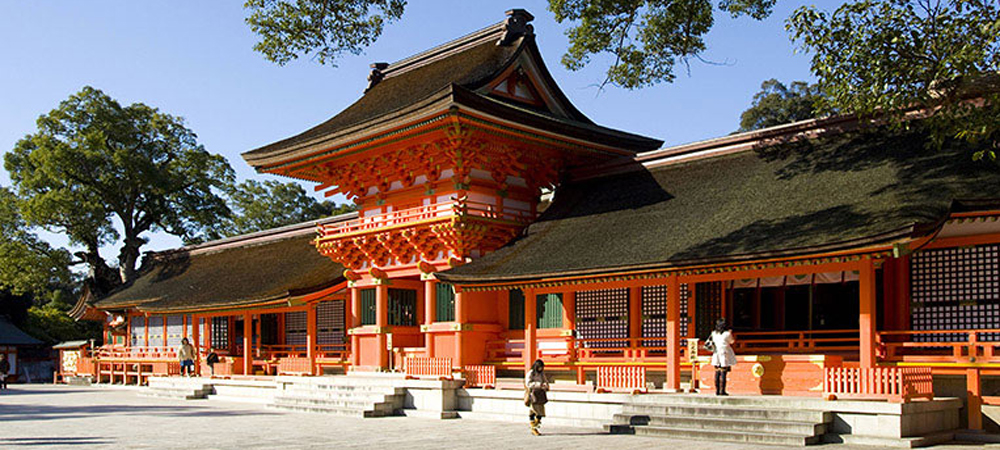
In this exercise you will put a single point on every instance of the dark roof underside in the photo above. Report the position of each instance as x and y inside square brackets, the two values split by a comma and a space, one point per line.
[784, 199]
[12, 335]
[231, 277]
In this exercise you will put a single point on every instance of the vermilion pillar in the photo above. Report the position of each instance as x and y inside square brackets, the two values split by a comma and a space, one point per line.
[355, 322]
[461, 317]
[530, 328]
[311, 337]
[430, 315]
[867, 317]
[145, 337]
[635, 316]
[197, 345]
[974, 399]
[247, 344]
[382, 323]
[673, 334]
[569, 320]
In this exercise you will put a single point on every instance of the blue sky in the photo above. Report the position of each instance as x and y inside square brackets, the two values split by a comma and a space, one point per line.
[194, 59]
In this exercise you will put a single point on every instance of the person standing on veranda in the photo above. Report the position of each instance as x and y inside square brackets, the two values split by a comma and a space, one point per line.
[4, 369]
[536, 386]
[185, 353]
[723, 355]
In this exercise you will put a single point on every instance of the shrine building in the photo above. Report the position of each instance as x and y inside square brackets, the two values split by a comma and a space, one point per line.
[832, 247]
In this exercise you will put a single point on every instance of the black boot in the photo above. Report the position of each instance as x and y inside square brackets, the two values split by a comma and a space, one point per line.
[722, 383]
[718, 381]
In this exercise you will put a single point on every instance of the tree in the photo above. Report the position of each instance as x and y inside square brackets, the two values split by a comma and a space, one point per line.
[93, 162]
[646, 38]
[777, 104]
[28, 265]
[325, 28]
[886, 58]
[260, 206]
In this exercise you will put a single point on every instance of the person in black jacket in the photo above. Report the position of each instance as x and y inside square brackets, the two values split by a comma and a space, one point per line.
[4, 370]
[211, 359]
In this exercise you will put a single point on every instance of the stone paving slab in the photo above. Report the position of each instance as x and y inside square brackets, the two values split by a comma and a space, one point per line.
[74, 417]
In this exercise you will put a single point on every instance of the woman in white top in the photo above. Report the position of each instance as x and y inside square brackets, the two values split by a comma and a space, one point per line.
[723, 357]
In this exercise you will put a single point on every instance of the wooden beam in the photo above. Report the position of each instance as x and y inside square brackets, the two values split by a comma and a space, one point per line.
[530, 328]
[867, 314]
[673, 382]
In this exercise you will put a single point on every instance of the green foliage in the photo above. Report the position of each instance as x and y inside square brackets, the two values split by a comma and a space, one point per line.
[887, 57]
[261, 206]
[51, 324]
[326, 28]
[646, 38]
[28, 265]
[93, 161]
[777, 104]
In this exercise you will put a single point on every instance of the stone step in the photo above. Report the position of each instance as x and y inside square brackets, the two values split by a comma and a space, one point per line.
[728, 412]
[349, 412]
[725, 424]
[347, 403]
[178, 393]
[344, 390]
[719, 435]
[768, 401]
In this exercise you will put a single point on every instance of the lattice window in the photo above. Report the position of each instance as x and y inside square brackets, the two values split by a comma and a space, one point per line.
[175, 330]
[708, 309]
[330, 322]
[156, 331]
[445, 311]
[296, 326]
[368, 313]
[515, 309]
[956, 288]
[549, 311]
[602, 314]
[654, 313]
[138, 330]
[403, 307]
[220, 333]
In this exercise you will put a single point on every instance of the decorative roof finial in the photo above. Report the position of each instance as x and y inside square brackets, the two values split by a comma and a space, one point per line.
[376, 74]
[515, 26]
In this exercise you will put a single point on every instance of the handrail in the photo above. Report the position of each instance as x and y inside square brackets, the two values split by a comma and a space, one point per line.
[949, 345]
[441, 210]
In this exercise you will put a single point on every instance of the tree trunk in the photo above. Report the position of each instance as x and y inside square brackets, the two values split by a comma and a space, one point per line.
[101, 278]
[128, 257]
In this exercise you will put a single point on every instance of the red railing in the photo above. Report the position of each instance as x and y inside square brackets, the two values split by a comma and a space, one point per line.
[436, 211]
[294, 365]
[618, 378]
[436, 367]
[897, 384]
[796, 341]
[952, 346]
[136, 353]
[480, 376]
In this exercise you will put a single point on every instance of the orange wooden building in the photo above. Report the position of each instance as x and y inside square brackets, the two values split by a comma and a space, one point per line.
[833, 248]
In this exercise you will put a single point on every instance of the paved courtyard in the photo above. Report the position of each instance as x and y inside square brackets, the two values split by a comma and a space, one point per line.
[44, 417]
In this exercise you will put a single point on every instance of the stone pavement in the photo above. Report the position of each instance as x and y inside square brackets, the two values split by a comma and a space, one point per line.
[70, 417]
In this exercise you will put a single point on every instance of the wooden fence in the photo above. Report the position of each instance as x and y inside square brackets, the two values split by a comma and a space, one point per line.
[896, 384]
[435, 367]
[480, 376]
[621, 378]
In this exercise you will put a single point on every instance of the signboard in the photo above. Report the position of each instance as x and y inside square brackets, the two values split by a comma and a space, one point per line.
[692, 350]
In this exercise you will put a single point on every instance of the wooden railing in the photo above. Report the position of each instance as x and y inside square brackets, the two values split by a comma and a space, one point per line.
[436, 211]
[136, 353]
[796, 341]
[896, 384]
[621, 378]
[480, 376]
[435, 367]
[952, 346]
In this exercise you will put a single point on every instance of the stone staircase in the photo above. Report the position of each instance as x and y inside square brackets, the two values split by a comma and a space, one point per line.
[751, 420]
[354, 395]
[178, 388]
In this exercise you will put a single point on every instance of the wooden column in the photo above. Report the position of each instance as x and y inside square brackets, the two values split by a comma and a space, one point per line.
[355, 309]
[530, 328]
[247, 344]
[867, 316]
[197, 345]
[635, 317]
[974, 400]
[382, 323]
[902, 282]
[208, 332]
[430, 315]
[311, 337]
[145, 338]
[569, 321]
[166, 319]
[461, 317]
[673, 382]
